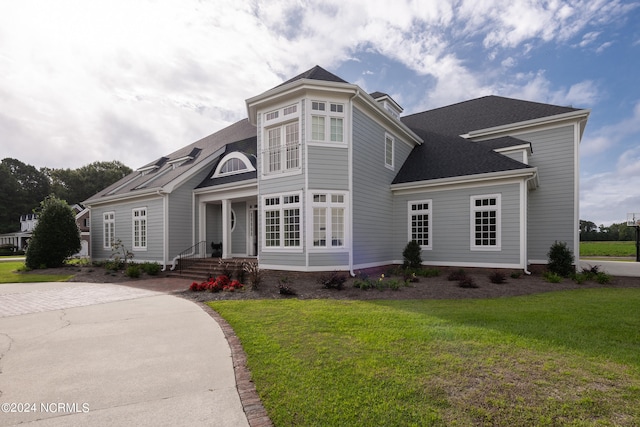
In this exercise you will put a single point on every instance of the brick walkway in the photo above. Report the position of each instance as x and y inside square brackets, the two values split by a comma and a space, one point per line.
[67, 297]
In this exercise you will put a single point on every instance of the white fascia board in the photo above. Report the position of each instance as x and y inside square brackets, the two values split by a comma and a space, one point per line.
[465, 181]
[579, 115]
[232, 190]
[146, 193]
[514, 148]
[293, 88]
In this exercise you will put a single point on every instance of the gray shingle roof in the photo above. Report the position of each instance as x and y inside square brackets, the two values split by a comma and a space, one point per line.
[444, 156]
[504, 142]
[481, 113]
[166, 173]
[316, 73]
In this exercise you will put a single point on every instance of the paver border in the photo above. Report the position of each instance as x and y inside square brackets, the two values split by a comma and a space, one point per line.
[251, 404]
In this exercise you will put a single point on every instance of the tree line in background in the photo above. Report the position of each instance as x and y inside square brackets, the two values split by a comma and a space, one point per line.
[23, 187]
[590, 232]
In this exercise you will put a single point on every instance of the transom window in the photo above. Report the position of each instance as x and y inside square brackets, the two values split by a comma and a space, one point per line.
[109, 229]
[420, 223]
[328, 220]
[140, 228]
[485, 222]
[282, 224]
[327, 124]
[234, 163]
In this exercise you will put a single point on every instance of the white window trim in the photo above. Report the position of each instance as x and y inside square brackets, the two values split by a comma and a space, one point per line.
[234, 155]
[472, 223]
[108, 244]
[266, 174]
[393, 151]
[328, 205]
[429, 227]
[328, 115]
[133, 228]
[281, 207]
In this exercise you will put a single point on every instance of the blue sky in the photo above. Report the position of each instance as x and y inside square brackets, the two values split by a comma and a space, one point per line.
[131, 81]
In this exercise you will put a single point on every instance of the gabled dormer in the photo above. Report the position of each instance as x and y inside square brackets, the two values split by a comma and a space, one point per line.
[389, 105]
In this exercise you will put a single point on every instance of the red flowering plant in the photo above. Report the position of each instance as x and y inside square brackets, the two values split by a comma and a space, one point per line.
[216, 284]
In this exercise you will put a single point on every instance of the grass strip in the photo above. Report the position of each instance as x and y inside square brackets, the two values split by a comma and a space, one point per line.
[551, 359]
[9, 273]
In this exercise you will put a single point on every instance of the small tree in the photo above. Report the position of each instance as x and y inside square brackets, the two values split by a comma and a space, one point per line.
[560, 259]
[411, 254]
[56, 236]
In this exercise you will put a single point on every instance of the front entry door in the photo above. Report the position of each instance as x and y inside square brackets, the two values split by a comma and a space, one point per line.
[253, 230]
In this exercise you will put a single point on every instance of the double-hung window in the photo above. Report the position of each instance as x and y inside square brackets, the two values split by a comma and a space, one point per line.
[140, 228]
[282, 224]
[327, 122]
[109, 229]
[485, 222]
[281, 142]
[420, 221]
[329, 212]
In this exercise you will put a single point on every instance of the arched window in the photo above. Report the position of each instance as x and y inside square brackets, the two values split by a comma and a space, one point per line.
[234, 163]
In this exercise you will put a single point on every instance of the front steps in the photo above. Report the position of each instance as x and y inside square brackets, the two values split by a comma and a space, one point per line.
[200, 269]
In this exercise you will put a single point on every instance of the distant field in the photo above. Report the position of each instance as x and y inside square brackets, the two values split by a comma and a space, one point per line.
[614, 249]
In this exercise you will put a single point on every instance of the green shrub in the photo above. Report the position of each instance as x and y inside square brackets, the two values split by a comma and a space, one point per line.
[394, 284]
[429, 272]
[497, 277]
[467, 282]
[55, 237]
[332, 280]
[456, 275]
[552, 277]
[151, 268]
[411, 255]
[133, 271]
[580, 278]
[603, 278]
[516, 274]
[560, 259]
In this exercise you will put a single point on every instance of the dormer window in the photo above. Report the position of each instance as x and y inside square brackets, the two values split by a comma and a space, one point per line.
[232, 164]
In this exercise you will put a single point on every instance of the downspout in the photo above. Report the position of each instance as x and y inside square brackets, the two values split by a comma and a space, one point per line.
[165, 213]
[526, 215]
[350, 161]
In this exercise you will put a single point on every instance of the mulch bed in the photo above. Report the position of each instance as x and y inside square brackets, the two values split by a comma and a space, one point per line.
[306, 285]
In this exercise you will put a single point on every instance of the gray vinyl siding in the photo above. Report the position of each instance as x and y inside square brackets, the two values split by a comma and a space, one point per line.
[239, 233]
[551, 205]
[282, 260]
[124, 229]
[372, 208]
[450, 231]
[329, 259]
[328, 168]
[181, 215]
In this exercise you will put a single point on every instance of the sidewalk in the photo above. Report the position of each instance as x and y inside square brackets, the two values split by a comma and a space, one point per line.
[102, 355]
[614, 268]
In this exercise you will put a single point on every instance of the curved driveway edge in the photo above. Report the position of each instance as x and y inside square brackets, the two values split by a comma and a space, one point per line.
[132, 357]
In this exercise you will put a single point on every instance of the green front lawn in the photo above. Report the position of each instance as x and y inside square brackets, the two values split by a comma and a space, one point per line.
[612, 249]
[9, 274]
[562, 358]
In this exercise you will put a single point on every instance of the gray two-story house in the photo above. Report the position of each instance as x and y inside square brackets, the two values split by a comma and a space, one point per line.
[323, 176]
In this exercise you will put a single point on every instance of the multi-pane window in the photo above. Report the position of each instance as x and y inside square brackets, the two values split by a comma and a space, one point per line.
[388, 151]
[282, 153]
[485, 222]
[328, 220]
[282, 224]
[140, 228]
[233, 165]
[327, 124]
[109, 229]
[420, 222]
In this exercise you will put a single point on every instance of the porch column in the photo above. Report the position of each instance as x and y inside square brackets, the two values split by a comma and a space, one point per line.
[226, 229]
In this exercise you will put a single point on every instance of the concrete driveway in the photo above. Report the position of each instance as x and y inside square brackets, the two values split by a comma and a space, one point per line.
[101, 354]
